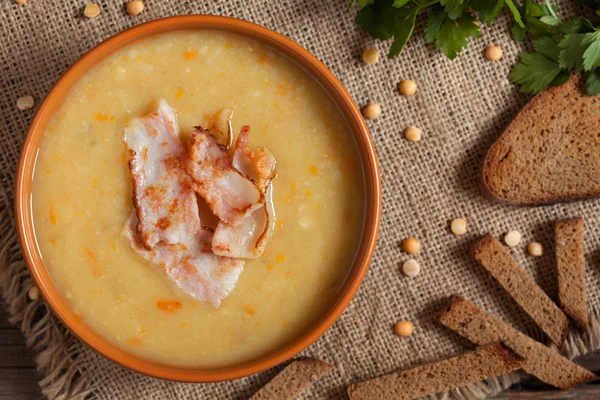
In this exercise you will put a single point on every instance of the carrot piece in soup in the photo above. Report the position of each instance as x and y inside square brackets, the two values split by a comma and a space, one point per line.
[52, 215]
[96, 270]
[188, 55]
[168, 305]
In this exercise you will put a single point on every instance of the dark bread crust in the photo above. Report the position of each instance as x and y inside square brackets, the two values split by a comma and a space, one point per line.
[485, 362]
[298, 376]
[570, 268]
[556, 135]
[522, 288]
[482, 328]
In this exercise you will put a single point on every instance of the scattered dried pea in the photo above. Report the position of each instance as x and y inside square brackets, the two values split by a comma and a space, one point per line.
[34, 293]
[403, 328]
[459, 226]
[535, 249]
[370, 56]
[493, 53]
[407, 87]
[411, 268]
[91, 10]
[371, 111]
[20, 2]
[25, 103]
[135, 7]
[411, 245]
[413, 134]
[512, 238]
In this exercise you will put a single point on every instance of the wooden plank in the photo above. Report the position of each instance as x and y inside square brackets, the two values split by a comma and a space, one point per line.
[4, 324]
[19, 384]
[533, 389]
[585, 392]
[13, 352]
[18, 377]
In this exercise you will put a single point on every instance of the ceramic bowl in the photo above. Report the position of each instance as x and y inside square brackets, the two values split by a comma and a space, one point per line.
[23, 212]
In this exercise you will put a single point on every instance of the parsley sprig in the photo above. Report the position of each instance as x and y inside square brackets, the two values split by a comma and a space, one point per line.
[559, 48]
[449, 25]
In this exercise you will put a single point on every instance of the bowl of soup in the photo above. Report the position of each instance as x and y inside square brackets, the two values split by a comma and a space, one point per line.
[250, 249]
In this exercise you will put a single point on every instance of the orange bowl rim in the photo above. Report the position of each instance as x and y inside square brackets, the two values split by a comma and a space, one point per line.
[24, 178]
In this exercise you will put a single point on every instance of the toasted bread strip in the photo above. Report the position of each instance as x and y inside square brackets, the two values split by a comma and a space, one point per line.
[293, 380]
[485, 362]
[481, 328]
[572, 295]
[550, 152]
[523, 289]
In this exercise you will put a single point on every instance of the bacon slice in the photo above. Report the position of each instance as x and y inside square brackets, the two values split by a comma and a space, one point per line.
[165, 204]
[248, 240]
[231, 196]
[257, 164]
[192, 266]
[220, 126]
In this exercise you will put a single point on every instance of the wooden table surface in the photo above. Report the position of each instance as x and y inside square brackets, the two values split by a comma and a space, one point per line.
[18, 377]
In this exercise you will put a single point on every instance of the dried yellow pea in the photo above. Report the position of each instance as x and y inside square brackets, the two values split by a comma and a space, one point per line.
[91, 10]
[411, 245]
[403, 328]
[135, 7]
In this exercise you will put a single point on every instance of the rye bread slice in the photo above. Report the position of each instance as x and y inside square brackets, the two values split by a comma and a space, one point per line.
[485, 362]
[551, 151]
[570, 266]
[481, 328]
[520, 285]
[298, 376]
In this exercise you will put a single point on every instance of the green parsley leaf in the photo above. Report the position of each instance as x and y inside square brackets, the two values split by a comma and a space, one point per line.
[400, 3]
[448, 27]
[534, 72]
[550, 20]
[365, 17]
[548, 46]
[576, 25]
[379, 19]
[362, 3]
[561, 78]
[591, 56]
[533, 12]
[434, 24]
[573, 46]
[454, 8]
[453, 35]
[515, 11]
[518, 32]
[404, 30]
[592, 82]
[488, 10]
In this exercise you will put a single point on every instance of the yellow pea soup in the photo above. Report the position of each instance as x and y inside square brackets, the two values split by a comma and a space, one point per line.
[82, 198]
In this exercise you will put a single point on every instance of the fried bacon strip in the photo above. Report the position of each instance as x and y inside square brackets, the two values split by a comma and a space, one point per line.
[220, 126]
[256, 164]
[192, 266]
[165, 226]
[230, 195]
[165, 204]
[248, 240]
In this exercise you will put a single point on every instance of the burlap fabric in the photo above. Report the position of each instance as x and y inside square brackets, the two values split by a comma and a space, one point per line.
[461, 106]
